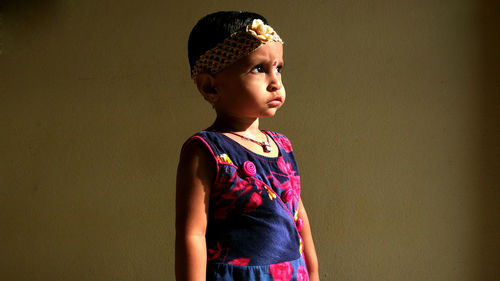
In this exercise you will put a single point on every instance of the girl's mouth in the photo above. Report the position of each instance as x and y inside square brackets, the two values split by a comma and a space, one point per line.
[275, 102]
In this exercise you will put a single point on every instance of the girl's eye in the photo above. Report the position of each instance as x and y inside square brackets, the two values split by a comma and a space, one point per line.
[258, 69]
[279, 69]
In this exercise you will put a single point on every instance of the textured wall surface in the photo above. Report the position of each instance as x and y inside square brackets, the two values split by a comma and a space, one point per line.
[393, 110]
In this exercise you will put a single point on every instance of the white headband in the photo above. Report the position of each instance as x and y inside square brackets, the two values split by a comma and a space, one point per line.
[236, 46]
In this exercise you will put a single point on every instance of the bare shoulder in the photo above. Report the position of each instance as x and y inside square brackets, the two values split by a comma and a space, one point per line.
[196, 164]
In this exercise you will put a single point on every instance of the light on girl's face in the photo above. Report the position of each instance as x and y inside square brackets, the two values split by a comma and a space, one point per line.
[252, 86]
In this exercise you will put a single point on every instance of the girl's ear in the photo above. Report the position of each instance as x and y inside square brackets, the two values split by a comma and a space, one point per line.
[206, 86]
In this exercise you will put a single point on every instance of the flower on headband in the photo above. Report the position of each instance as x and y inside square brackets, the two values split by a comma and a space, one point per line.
[261, 31]
[234, 47]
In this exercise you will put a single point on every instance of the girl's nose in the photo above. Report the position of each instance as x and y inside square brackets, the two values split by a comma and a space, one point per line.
[275, 82]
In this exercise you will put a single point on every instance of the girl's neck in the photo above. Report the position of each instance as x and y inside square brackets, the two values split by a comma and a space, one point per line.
[234, 124]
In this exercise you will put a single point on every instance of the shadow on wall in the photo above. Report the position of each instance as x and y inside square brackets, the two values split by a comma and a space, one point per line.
[490, 142]
[28, 13]
[26, 6]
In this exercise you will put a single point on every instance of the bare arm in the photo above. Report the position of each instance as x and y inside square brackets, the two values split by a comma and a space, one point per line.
[309, 250]
[195, 175]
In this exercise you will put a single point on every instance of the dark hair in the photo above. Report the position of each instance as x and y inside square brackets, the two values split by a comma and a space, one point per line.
[214, 28]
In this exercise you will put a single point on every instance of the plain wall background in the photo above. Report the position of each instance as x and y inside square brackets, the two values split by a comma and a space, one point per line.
[393, 110]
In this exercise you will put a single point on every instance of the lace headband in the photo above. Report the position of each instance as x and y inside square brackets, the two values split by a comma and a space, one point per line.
[236, 46]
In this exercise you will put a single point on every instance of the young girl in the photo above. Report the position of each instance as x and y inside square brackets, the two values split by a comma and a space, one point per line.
[239, 215]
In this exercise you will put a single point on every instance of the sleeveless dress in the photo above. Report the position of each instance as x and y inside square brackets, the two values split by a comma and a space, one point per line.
[253, 228]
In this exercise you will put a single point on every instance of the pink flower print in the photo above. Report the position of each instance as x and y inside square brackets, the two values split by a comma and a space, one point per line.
[275, 181]
[221, 184]
[242, 185]
[302, 274]
[230, 195]
[293, 181]
[260, 185]
[284, 166]
[281, 271]
[240, 261]
[295, 186]
[291, 187]
[215, 253]
[284, 143]
[254, 202]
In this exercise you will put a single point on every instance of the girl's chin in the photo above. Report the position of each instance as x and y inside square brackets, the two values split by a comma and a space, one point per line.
[264, 114]
[269, 113]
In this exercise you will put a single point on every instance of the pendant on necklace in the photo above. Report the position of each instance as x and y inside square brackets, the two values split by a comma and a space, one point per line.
[266, 146]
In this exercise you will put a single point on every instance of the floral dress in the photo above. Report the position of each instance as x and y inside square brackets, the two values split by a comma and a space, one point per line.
[253, 228]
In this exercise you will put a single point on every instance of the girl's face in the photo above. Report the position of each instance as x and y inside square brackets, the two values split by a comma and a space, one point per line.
[252, 86]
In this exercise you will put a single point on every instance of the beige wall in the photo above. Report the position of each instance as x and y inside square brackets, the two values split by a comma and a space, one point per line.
[392, 107]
